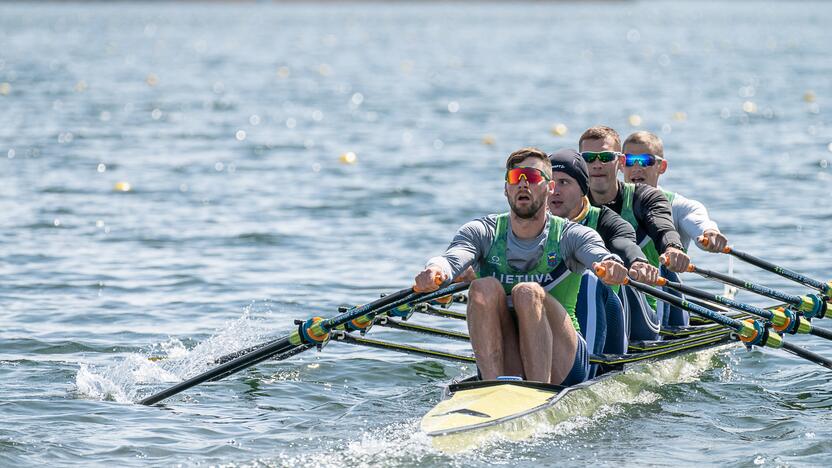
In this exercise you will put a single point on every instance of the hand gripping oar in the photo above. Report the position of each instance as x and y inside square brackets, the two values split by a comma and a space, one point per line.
[784, 320]
[750, 332]
[812, 305]
[825, 288]
[313, 332]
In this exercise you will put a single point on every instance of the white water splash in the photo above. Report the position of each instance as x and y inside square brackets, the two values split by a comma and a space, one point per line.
[171, 361]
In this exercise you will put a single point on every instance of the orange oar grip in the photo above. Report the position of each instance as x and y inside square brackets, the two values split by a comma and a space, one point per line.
[703, 240]
[691, 268]
[601, 271]
[437, 280]
[661, 281]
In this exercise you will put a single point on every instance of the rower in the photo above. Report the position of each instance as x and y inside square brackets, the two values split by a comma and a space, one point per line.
[521, 308]
[644, 163]
[569, 200]
[648, 211]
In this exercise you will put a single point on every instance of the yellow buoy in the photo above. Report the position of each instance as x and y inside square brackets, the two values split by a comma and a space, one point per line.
[680, 116]
[809, 96]
[489, 140]
[634, 120]
[122, 187]
[348, 158]
[5, 89]
[152, 80]
[559, 129]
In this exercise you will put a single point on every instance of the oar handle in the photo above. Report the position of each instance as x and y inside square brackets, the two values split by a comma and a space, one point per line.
[601, 272]
[705, 242]
[438, 279]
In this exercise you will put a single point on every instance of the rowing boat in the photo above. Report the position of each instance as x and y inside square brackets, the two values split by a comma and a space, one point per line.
[473, 412]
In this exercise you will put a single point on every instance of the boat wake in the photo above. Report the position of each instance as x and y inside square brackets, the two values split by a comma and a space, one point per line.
[127, 380]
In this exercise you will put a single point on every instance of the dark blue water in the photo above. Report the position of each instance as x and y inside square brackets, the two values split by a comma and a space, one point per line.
[227, 121]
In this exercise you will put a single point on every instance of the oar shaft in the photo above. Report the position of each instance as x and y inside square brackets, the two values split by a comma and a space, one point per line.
[369, 306]
[808, 355]
[821, 332]
[784, 272]
[343, 337]
[729, 322]
[755, 288]
[413, 297]
[767, 314]
[783, 320]
[278, 346]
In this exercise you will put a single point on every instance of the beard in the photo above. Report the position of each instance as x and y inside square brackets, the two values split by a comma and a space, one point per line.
[528, 212]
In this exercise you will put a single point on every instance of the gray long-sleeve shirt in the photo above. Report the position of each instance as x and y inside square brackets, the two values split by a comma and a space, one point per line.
[580, 247]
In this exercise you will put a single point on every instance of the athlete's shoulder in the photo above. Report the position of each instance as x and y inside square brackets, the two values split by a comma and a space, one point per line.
[482, 224]
[607, 213]
[644, 189]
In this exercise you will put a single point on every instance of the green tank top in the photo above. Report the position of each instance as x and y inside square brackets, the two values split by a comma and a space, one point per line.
[644, 241]
[670, 195]
[591, 221]
[550, 272]
[591, 218]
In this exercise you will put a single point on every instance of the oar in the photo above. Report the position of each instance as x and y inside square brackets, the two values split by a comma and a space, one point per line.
[380, 302]
[313, 332]
[750, 332]
[812, 306]
[344, 337]
[825, 288]
[784, 320]
[403, 311]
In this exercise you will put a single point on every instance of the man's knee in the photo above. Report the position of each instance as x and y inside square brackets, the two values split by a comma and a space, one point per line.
[526, 294]
[485, 290]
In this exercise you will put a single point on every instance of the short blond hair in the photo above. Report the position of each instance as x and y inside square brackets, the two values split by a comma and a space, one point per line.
[650, 140]
[529, 152]
[601, 132]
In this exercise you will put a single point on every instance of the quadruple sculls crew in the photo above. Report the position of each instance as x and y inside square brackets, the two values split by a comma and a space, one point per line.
[523, 310]
[649, 212]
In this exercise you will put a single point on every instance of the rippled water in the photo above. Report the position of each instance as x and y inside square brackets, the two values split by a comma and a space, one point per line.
[227, 121]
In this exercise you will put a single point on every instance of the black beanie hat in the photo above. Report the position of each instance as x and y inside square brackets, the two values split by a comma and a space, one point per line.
[570, 162]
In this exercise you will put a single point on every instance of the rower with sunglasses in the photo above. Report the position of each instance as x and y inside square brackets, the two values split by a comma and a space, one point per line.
[644, 162]
[649, 212]
[531, 268]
